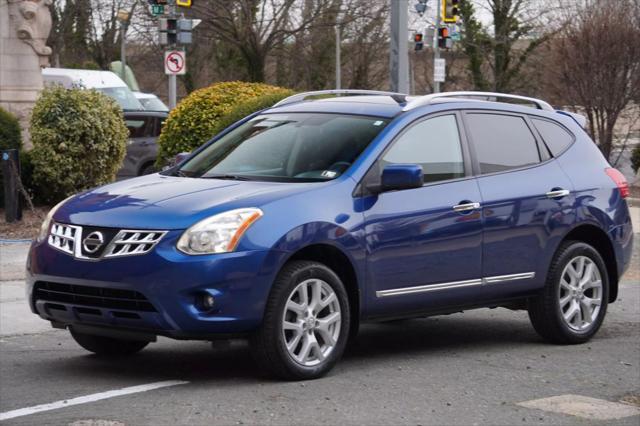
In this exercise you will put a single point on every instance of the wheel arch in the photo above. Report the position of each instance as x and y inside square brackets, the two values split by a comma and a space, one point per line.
[338, 261]
[598, 239]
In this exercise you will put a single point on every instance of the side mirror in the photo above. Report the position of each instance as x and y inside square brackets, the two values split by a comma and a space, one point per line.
[401, 176]
[179, 158]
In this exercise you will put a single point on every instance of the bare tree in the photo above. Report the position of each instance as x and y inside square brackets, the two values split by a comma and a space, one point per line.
[596, 64]
[256, 27]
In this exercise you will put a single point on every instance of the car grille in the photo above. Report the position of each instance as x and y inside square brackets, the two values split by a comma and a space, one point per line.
[95, 243]
[63, 237]
[133, 242]
[98, 297]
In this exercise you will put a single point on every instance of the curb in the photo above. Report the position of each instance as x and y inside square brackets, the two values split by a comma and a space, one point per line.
[7, 241]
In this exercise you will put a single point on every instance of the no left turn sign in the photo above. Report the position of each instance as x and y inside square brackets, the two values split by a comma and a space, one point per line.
[174, 62]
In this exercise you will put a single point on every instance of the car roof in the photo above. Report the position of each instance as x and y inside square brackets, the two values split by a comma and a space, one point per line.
[88, 78]
[145, 113]
[389, 105]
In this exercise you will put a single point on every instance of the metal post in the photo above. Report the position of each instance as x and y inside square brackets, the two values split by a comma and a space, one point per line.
[399, 51]
[436, 49]
[338, 59]
[123, 49]
[10, 174]
[172, 91]
[172, 78]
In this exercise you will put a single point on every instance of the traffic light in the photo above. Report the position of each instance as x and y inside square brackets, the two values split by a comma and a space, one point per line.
[418, 39]
[450, 11]
[444, 40]
[184, 3]
[175, 31]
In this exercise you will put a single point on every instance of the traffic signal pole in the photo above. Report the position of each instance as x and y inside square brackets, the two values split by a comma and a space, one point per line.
[399, 52]
[173, 80]
[436, 48]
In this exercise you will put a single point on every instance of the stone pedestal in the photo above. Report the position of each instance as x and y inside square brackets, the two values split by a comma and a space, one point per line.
[24, 28]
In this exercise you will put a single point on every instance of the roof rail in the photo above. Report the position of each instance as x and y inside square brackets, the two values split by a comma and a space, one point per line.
[427, 99]
[302, 96]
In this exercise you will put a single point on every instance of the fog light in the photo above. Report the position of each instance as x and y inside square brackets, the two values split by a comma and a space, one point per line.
[205, 302]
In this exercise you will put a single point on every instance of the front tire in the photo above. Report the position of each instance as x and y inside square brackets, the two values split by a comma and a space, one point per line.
[306, 323]
[107, 346]
[572, 306]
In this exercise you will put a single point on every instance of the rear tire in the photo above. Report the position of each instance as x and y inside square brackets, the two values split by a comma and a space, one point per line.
[571, 307]
[306, 323]
[108, 346]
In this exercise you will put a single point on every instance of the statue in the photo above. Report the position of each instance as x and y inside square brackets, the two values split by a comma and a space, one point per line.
[35, 26]
[24, 29]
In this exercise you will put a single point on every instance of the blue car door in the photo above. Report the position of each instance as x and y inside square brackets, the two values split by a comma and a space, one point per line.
[526, 201]
[424, 244]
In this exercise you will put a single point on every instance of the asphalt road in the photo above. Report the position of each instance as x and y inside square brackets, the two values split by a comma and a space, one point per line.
[468, 368]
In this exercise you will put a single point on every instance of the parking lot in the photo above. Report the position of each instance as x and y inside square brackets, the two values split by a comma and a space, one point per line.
[476, 367]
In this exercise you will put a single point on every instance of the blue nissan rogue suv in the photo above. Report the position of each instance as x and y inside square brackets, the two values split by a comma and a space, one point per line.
[299, 222]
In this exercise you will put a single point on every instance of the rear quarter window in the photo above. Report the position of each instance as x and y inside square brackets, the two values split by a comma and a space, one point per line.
[556, 137]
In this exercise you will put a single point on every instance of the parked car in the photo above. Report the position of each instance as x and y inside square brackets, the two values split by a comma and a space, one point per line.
[103, 81]
[151, 102]
[300, 222]
[142, 148]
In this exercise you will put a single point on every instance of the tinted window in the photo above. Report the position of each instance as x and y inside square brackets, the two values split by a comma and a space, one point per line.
[555, 136]
[502, 142]
[139, 127]
[434, 144]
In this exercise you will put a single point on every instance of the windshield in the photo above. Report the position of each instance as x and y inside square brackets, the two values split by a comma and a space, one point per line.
[153, 104]
[123, 96]
[287, 147]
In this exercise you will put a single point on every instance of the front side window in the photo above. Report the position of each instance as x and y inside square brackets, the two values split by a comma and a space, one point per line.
[434, 144]
[502, 142]
[287, 147]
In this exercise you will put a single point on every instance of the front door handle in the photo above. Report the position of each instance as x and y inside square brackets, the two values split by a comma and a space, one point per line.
[466, 207]
[557, 193]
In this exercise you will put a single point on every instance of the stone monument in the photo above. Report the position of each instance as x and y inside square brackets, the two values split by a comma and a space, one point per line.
[24, 28]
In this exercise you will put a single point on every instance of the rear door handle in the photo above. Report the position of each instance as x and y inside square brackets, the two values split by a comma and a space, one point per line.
[466, 207]
[557, 193]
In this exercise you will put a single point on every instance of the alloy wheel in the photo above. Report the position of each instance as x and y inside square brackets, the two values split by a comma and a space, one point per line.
[580, 293]
[311, 322]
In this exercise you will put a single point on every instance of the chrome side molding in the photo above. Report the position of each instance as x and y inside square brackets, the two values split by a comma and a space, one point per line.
[455, 284]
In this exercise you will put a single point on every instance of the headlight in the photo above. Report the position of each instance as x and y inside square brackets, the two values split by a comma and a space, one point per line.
[44, 228]
[218, 234]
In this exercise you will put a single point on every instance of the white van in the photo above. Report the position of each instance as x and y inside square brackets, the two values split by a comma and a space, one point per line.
[104, 81]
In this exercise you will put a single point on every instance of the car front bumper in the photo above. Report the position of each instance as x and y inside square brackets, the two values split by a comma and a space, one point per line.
[111, 293]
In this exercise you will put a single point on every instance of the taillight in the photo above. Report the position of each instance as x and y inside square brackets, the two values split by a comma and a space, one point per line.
[620, 181]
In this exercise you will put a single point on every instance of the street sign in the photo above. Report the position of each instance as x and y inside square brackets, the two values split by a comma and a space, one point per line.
[174, 62]
[439, 70]
[157, 9]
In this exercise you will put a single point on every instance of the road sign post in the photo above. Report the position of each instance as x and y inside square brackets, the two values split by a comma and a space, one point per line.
[439, 70]
[174, 64]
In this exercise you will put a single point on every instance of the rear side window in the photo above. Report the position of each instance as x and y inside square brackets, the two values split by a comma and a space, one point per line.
[434, 144]
[555, 136]
[502, 142]
[139, 127]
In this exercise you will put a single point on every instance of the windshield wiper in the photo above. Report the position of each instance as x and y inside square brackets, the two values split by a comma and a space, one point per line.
[226, 176]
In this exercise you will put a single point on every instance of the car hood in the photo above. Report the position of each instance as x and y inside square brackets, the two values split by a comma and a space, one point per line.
[167, 202]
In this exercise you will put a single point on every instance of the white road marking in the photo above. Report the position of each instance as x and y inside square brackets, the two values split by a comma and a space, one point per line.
[88, 398]
[583, 406]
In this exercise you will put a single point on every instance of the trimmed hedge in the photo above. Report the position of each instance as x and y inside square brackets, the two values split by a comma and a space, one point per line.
[198, 117]
[10, 138]
[79, 140]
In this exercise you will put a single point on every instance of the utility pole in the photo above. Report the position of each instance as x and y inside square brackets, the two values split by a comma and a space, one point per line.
[436, 48]
[123, 17]
[338, 58]
[399, 52]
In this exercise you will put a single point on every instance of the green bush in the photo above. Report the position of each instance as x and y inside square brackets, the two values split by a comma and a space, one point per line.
[196, 119]
[79, 140]
[635, 158]
[10, 138]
